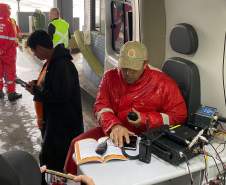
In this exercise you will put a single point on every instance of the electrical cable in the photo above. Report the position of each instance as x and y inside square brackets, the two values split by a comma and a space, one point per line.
[223, 147]
[206, 163]
[220, 160]
[215, 163]
[217, 134]
[222, 128]
[223, 69]
[137, 156]
[188, 168]
[162, 134]
[205, 169]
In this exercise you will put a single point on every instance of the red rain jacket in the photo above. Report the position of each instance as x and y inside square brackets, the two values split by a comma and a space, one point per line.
[155, 95]
[7, 33]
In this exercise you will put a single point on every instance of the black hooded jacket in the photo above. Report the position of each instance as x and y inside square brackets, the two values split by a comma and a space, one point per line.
[62, 110]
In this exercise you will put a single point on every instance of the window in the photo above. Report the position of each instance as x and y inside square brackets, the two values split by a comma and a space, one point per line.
[121, 24]
[97, 15]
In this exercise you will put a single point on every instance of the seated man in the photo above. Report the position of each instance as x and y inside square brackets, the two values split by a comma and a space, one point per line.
[133, 87]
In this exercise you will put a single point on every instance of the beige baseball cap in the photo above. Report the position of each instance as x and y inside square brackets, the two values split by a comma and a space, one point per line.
[132, 55]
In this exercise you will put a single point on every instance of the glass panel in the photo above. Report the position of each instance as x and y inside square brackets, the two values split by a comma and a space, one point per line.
[102, 17]
[128, 23]
[97, 15]
[121, 24]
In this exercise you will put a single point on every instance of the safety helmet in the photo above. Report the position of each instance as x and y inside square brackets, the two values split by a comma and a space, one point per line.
[9, 7]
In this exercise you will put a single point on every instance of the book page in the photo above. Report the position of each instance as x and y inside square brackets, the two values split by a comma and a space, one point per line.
[102, 139]
[85, 151]
[113, 150]
[87, 148]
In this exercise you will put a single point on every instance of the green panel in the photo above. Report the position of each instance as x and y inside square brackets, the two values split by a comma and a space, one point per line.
[73, 42]
[88, 54]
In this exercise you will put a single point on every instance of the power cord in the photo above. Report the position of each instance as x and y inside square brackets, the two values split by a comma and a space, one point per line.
[220, 160]
[188, 165]
[223, 69]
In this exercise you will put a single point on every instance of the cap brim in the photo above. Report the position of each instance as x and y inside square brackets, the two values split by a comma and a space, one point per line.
[131, 64]
[25, 166]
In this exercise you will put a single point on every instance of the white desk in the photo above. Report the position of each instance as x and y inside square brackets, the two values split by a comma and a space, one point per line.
[134, 172]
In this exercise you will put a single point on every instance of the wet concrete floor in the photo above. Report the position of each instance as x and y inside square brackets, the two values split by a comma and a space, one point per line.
[18, 128]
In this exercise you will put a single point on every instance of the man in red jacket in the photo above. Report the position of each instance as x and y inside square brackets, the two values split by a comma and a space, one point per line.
[7, 53]
[133, 87]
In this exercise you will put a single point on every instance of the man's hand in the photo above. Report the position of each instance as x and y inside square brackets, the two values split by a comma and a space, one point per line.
[42, 169]
[69, 47]
[30, 89]
[84, 179]
[117, 134]
[0, 53]
[80, 178]
[137, 122]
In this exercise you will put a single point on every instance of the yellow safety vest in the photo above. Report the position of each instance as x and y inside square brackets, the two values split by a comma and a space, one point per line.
[14, 23]
[61, 32]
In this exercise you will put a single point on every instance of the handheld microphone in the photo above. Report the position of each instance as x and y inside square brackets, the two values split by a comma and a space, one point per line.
[132, 116]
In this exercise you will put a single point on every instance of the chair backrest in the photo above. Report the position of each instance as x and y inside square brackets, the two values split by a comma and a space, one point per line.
[184, 72]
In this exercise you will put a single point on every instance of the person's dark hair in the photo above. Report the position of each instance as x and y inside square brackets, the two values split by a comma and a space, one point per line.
[39, 37]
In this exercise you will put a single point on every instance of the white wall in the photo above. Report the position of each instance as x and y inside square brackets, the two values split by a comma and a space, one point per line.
[208, 17]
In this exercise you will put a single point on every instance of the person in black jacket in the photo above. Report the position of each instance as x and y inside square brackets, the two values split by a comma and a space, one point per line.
[57, 100]
[20, 168]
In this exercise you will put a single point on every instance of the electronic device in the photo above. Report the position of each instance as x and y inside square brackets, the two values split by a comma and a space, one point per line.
[132, 116]
[133, 143]
[102, 147]
[145, 147]
[168, 145]
[206, 118]
[179, 133]
[57, 177]
[21, 82]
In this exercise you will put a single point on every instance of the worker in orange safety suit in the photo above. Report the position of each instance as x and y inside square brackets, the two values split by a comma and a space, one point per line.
[7, 53]
[132, 87]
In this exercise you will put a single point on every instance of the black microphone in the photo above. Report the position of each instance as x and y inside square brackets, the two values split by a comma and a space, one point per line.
[132, 116]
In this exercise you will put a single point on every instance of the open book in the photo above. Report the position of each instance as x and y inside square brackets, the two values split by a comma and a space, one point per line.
[85, 151]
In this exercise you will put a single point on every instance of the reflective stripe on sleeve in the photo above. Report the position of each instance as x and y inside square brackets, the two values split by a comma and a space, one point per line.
[102, 111]
[8, 38]
[9, 82]
[165, 118]
[1, 79]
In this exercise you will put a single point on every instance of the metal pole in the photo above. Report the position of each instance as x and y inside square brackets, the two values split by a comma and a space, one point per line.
[18, 5]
